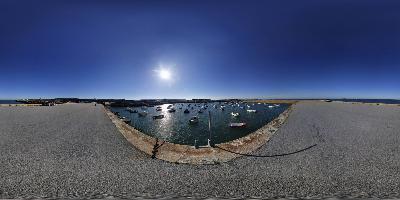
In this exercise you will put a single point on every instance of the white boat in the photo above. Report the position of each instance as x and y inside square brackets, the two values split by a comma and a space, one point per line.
[258, 103]
[158, 109]
[237, 125]
[235, 114]
[270, 106]
[252, 111]
[277, 105]
[194, 120]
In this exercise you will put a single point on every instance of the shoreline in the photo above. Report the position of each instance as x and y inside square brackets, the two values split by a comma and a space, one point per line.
[371, 104]
[15, 105]
[186, 154]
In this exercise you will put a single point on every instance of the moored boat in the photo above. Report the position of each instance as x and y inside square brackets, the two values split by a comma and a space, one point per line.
[158, 116]
[127, 121]
[235, 114]
[194, 120]
[237, 125]
[252, 111]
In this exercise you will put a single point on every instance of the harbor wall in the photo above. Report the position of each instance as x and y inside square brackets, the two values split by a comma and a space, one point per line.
[177, 153]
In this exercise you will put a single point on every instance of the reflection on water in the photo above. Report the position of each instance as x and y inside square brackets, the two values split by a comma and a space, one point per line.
[175, 126]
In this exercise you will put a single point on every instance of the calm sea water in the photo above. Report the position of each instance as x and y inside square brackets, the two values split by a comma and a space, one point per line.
[9, 102]
[387, 101]
[175, 127]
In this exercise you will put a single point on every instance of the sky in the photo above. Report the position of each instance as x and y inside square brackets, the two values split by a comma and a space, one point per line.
[209, 49]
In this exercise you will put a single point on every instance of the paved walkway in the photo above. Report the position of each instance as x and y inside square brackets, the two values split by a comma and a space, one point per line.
[75, 151]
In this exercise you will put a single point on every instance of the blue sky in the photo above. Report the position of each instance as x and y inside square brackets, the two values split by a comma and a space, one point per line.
[214, 49]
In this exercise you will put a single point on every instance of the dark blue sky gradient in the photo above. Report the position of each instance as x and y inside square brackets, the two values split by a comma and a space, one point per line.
[216, 49]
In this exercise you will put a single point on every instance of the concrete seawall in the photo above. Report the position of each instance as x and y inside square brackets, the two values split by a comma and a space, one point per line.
[178, 153]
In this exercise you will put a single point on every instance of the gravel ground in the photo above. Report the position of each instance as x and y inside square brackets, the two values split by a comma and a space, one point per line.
[74, 151]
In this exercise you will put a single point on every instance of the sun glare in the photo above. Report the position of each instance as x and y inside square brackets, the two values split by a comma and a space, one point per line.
[164, 74]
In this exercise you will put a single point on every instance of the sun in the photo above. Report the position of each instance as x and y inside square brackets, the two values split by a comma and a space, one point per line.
[164, 74]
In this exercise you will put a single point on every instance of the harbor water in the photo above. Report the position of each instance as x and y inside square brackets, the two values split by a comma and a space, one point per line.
[9, 102]
[175, 126]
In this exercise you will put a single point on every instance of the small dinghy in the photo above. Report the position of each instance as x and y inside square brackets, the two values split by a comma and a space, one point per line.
[194, 120]
[127, 121]
[252, 111]
[237, 125]
[158, 116]
[235, 114]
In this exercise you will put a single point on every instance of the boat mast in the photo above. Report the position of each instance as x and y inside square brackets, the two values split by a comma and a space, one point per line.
[209, 128]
